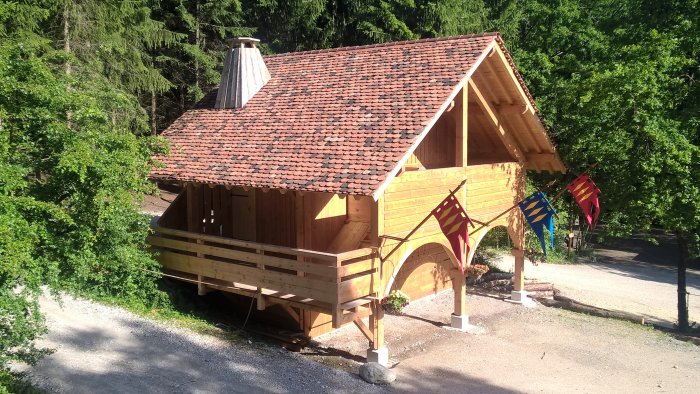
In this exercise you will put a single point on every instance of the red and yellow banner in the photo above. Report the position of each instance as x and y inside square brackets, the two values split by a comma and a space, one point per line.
[585, 193]
[454, 223]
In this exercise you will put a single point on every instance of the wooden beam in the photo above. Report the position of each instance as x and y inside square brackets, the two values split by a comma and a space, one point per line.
[460, 288]
[376, 323]
[461, 126]
[363, 328]
[540, 157]
[292, 313]
[492, 77]
[511, 75]
[515, 109]
[490, 113]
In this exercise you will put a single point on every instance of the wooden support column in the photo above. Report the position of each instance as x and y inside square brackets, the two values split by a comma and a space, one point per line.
[460, 317]
[260, 297]
[376, 323]
[518, 293]
[304, 316]
[460, 289]
[461, 126]
[201, 287]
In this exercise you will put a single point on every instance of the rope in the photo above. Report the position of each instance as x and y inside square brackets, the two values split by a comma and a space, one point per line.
[252, 299]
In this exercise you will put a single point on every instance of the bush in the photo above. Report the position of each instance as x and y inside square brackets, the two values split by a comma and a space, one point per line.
[69, 195]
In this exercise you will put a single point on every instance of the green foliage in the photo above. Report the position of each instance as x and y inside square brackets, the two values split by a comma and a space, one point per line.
[69, 192]
[615, 83]
[395, 302]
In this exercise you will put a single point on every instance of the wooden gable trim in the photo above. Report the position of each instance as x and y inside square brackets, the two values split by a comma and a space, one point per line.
[490, 112]
[529, 115]
[463, 83]
[511, 75]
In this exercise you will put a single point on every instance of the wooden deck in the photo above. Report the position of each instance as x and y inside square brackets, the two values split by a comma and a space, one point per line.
[339, 284]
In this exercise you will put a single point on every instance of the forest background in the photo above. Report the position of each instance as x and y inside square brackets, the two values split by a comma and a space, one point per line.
[86, 86]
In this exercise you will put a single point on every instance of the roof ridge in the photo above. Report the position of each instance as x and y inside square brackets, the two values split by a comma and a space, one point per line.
[386, 44]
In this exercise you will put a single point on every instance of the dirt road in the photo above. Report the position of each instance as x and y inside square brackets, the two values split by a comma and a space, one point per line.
[515, 349]
[636, 277]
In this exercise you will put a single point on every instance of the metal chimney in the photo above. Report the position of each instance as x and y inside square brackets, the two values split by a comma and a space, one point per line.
[244, 74]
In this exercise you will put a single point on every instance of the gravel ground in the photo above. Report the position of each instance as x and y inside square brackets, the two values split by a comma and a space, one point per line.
[109, 350]
[511, 348]
[519, 349]
[617, 281]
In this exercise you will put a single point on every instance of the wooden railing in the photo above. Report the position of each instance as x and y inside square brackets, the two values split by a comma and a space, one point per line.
[326, 282]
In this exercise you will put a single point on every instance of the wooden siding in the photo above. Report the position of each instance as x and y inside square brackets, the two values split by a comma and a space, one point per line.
[414, 194]
[324, 215]
[493, 188]
[275, 219]
[438, 149]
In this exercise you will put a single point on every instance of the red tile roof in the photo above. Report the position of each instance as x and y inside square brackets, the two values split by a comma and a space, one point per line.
[336, 120]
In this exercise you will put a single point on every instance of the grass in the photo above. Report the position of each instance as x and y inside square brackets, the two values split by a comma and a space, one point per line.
[184, 309]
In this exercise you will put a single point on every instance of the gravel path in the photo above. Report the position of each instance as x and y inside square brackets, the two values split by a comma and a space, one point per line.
[617, 281]
[100, 349]
[518, 349]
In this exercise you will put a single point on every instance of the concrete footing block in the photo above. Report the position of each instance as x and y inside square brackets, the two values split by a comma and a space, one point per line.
[379, 356]
[460, 322]
[520, 297]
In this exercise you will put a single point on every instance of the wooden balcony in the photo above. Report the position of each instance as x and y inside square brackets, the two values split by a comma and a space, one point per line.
[342, 284]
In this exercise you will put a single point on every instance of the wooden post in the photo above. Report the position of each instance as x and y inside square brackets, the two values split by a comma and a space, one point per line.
[518, 278]
[460, 289]
[376, 323]
[461, 127]
[260, 297]
[201, 287]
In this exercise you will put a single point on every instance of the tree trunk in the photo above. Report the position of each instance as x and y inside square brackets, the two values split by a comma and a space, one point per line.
[197, 39]
[154, 128]
[66, 48]
[66, 36]
[682, 293]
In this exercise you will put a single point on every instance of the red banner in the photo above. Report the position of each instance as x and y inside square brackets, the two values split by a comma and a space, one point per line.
[585, 193]
[454, 223]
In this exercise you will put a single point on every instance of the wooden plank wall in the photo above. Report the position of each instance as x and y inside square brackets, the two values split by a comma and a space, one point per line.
[438, 148]
[493, 188]
[324, 215]
[275, 218]
[175, 216]
[208, 210]
[414, 194]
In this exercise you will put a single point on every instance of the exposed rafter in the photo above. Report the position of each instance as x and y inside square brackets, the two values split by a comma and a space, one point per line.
[491, 114]
[509, 71]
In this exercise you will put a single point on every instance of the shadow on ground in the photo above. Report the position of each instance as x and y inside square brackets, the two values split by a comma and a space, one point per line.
[443, 380]
[119, 354]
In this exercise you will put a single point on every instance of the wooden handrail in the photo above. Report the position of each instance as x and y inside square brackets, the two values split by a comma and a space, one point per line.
[223, 259]
[248, 244]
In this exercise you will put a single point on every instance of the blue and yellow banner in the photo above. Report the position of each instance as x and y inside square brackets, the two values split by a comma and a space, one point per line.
[539, 213]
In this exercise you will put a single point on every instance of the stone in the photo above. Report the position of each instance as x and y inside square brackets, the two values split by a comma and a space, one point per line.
[376, 373]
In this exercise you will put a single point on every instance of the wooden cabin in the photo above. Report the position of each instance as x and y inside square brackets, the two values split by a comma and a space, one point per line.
[305, 173]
